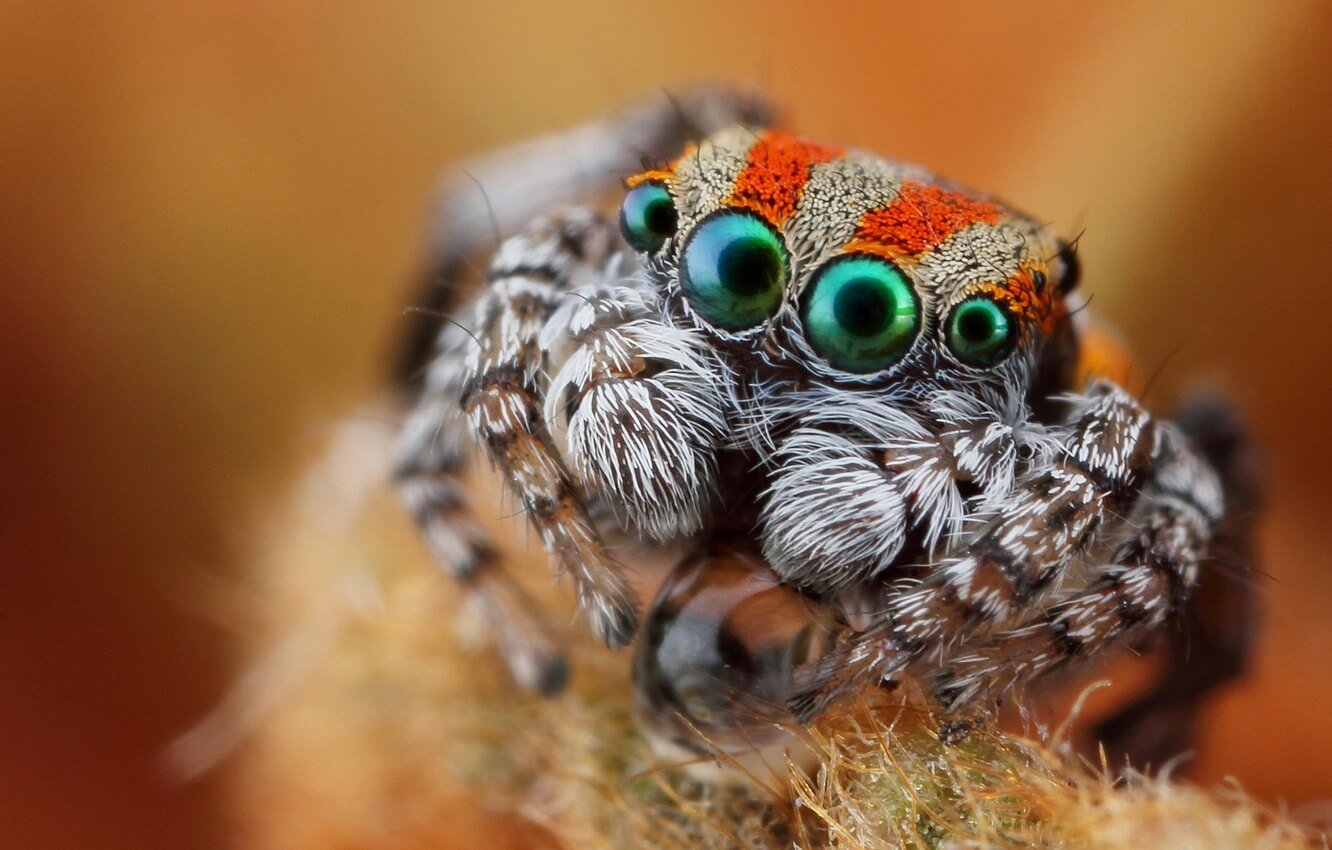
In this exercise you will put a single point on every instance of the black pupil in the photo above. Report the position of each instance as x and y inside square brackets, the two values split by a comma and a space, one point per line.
[748, 267]
[862, 307]
[659, 217]
[976, 326]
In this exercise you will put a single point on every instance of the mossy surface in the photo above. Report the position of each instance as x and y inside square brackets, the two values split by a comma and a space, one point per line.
[376, 716]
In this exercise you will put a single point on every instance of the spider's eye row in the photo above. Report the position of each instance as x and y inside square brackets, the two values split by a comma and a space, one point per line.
[981, 332]
[734, 270]
[647, 217]
[861, 313]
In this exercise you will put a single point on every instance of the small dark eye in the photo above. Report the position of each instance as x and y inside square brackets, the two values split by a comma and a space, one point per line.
[647, 216]
[1070, 267]
[981, 332]
[861, 314]
[734, 270]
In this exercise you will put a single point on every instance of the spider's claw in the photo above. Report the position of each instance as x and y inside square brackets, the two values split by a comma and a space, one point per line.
[542, 673]
[613, 616]
[819, 685]
[529, 646]
[809, 703]
[617, 628]
[949, 690]
[860, 660]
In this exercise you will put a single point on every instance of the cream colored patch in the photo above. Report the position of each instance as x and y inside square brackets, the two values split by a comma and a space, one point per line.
[837, 196]
[705, 176]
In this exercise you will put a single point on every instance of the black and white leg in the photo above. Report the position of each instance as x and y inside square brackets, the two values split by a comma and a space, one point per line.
[1015, 551]
[1215, 640]
[1144, 583]
[503, 396]
[860, 476]
[432, 454]
[486, 379]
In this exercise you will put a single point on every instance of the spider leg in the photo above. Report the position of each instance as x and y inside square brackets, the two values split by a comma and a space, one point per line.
[432, 454]
[494, 374]
[859, 476]
[1216, 640]
[502, 400]
[502, 191]
[1147, 581]
[1019, 546]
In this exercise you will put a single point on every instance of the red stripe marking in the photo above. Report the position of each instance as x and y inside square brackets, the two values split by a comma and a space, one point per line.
[921, 217]
[1020, 295]
[776, 173]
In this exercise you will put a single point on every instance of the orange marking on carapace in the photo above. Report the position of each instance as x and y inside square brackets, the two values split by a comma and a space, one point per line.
[921, 217]
[662, 174]
[656, 175]
[1020, 295]
[776, 173]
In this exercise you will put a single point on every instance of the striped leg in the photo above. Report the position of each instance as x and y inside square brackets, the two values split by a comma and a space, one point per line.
[502, 399]
[1147, 582]
[1215, 640]
[1027, 541]
[486, 378]
[859, 476]
[431, 456]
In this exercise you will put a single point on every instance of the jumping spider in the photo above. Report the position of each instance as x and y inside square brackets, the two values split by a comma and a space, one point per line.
[830, 378]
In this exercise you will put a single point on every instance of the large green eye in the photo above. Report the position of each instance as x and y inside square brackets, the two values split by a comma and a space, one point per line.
[981, 332]
[734, 270]
[861, 314]
[647, 217]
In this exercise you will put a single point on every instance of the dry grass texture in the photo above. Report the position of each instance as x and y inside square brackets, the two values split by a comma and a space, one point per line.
[376, 717]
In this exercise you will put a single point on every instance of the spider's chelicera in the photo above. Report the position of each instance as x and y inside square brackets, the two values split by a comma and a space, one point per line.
[853, 384]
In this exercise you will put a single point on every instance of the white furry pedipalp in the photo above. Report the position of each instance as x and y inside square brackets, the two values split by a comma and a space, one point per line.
[646, 415]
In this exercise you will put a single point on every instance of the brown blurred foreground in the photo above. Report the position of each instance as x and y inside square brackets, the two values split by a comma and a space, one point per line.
[209, 210]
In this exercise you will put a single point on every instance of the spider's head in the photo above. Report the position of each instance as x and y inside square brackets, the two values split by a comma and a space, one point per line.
[845, 268]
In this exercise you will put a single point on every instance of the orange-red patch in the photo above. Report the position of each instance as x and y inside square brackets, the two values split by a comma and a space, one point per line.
[920, 217]
[1026, 301]
[776, 173]
[656, 175]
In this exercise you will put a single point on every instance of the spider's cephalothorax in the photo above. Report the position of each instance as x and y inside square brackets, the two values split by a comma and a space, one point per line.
[862, 372]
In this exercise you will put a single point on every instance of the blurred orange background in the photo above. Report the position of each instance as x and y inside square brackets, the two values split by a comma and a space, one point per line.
[209, 212]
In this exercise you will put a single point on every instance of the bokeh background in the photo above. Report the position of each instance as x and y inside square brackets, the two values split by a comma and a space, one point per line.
[209, 212]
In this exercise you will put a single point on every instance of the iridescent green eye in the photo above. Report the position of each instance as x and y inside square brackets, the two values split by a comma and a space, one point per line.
[981, 332]
[734, 270]
[647, 216]
[861, 314]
